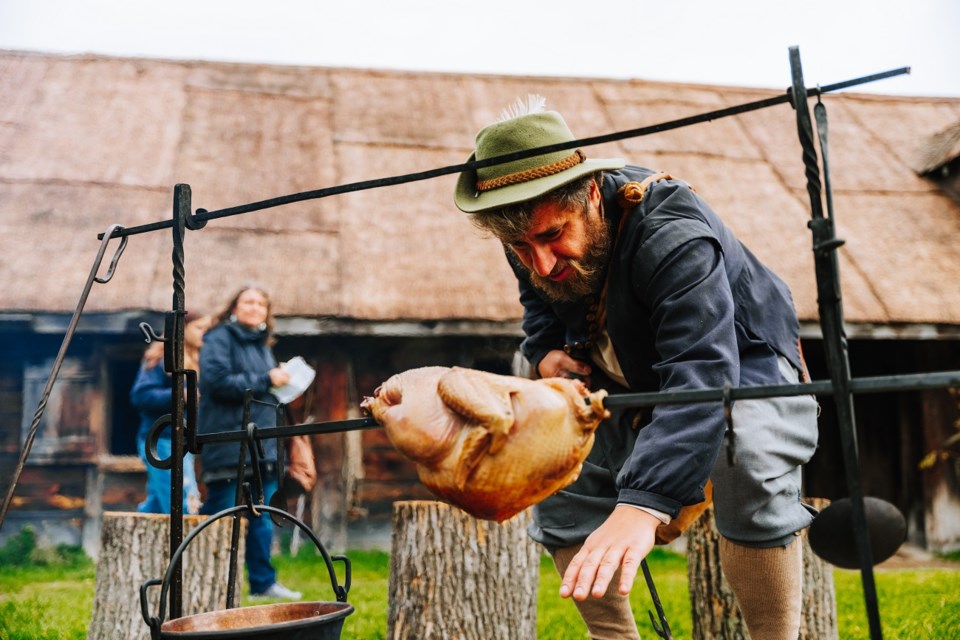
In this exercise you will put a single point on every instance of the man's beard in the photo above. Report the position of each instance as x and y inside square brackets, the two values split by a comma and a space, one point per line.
[587, 272]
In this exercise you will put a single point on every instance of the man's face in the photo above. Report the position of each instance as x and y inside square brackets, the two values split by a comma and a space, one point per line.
[564, 250]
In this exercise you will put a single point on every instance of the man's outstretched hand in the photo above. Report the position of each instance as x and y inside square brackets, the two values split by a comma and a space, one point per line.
[622, 541]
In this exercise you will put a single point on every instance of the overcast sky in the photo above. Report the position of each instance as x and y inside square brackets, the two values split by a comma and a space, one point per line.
[732, 42]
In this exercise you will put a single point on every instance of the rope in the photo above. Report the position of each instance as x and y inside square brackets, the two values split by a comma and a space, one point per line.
[527, 175]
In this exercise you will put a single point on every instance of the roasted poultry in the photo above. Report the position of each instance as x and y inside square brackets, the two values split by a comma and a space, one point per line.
[492, 445]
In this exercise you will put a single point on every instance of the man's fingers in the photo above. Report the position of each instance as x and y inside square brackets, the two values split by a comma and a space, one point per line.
[588, 571]
[608, 567]
[571, 574]
[631, 562]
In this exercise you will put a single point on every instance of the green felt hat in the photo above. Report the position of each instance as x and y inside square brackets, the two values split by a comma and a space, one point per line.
[526, 179]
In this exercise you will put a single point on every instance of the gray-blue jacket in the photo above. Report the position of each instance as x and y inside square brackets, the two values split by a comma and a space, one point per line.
[687, 307]
[234, 358]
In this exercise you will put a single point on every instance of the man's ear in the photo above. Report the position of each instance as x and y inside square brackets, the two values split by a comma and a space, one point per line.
[596, 197]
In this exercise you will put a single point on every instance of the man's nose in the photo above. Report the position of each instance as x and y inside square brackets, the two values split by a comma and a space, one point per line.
[543, 260]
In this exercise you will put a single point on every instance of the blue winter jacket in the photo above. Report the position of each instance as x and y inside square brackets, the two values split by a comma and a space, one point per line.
[234, 358]
[151, 396]
[688, 307]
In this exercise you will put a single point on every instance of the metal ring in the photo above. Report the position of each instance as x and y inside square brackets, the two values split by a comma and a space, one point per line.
[153, 438]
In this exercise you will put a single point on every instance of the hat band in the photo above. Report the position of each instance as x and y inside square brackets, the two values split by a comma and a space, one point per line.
[532, 174]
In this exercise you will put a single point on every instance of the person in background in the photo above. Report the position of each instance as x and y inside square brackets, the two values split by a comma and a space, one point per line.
[151, 396]
[630, 280]
[237, 355]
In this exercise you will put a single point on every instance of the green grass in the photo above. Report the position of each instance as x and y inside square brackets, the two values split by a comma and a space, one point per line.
[914, 603]
[44, 592]
[51, 597]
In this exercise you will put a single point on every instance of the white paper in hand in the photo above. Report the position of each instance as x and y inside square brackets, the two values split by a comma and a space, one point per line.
[301, 375]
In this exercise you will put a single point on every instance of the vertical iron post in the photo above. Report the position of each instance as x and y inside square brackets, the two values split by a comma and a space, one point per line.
[181, 210]
[825, 245]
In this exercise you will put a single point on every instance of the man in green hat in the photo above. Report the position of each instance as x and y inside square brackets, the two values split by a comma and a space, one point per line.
[629, 280]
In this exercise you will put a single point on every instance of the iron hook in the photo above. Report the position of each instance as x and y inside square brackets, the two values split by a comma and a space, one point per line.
[663, 629]
[248, 498]
[116, 256]
[149, 334]
[728, 417]
[192, 223]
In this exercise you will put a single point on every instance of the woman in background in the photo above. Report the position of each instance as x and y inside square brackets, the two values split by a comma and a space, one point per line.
[151, 395]
[237, 356]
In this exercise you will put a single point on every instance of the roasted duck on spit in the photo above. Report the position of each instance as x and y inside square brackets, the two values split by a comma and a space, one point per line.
[492, 445]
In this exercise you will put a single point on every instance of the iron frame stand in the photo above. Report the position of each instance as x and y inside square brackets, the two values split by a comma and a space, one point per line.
[183, 417]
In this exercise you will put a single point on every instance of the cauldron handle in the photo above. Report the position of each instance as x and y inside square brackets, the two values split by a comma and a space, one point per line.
[153, 623]
[346, 572]
[339, 591]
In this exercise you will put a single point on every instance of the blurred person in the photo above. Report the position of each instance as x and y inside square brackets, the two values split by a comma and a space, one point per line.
[237, 355]
[151, 396]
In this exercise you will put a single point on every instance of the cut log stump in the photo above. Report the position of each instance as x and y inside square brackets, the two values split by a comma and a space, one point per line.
[454, 576]
[134, 548]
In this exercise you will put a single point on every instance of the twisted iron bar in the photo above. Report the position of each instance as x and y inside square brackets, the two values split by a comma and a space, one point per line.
[174, 363]
[829, 302]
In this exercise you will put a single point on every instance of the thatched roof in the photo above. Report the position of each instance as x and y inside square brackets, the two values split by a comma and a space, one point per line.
[937, 150]
[89, 141]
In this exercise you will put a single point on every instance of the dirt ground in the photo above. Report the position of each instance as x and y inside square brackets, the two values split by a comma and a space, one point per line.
[910, 556]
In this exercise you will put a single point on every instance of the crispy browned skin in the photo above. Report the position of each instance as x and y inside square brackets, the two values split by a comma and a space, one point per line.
[688, 515]
[492, 445]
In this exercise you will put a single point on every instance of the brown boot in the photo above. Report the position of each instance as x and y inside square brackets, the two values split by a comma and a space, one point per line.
[768, 584]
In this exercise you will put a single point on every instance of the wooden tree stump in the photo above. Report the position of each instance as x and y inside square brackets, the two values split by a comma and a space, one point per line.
[714, 609]
[454, 576]
[134, 549]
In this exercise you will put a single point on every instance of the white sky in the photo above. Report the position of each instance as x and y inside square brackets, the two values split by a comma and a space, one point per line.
[732, 42]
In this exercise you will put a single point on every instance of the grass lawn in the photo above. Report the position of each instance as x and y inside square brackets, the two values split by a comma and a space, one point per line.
[53, 599]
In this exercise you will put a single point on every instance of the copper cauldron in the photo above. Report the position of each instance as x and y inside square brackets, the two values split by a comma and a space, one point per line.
[282, 621]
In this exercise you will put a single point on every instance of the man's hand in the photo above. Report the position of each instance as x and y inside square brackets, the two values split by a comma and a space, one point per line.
[622, 541]
[557, 364]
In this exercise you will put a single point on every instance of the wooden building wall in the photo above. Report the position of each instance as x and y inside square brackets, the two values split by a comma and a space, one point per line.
[74, 472]
[895, 431]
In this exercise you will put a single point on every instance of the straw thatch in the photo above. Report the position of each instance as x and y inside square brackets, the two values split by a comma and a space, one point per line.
[938, 150]
[90, 141]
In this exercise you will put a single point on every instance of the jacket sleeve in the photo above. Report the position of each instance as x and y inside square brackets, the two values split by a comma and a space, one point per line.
[692, 317]
[150, 392]
[542, 329]
[218, 377]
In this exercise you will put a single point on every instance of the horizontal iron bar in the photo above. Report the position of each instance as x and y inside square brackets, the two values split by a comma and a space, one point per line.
[203, 216]
[307, 428]
[879, 384]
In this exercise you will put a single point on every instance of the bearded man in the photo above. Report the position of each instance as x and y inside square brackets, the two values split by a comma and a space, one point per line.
[629, 280]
